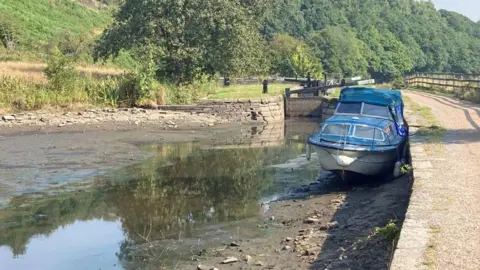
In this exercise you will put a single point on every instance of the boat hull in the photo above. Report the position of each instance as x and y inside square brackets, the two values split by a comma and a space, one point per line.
[361, 162]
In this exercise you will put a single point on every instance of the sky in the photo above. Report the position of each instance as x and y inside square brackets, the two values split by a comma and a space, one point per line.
[469, 8]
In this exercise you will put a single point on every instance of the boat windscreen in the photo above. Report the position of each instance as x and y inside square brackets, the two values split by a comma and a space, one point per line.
[336, 129]
[365, 132]
[375, 110]
[350, 108]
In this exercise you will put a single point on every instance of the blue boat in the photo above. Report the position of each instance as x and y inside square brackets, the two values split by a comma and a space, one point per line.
[367, 134]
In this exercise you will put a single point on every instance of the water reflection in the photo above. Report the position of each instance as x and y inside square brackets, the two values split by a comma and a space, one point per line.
[188, 195]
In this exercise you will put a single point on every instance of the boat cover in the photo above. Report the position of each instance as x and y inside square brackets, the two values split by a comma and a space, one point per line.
[386, 97]
[371, 95]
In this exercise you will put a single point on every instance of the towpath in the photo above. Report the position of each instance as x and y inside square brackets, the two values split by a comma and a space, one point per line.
[442, 227]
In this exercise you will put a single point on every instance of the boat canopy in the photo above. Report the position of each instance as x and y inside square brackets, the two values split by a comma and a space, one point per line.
[385, 97]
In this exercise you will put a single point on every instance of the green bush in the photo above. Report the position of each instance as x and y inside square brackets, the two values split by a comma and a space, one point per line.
[10, 30]
[61, 72]
[398, 83]
[469, 93]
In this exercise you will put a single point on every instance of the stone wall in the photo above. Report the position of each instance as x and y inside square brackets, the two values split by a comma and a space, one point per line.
[252, 136]
[310, 107]
[264, 110]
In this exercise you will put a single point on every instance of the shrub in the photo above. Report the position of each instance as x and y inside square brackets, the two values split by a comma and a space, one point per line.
[398, 83]
[60, 72]
[10, 30]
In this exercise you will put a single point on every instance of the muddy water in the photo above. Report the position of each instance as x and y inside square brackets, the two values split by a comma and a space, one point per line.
[184, 198]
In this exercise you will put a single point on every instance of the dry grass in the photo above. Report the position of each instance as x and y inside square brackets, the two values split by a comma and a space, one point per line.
[431, 251]
[33, 72]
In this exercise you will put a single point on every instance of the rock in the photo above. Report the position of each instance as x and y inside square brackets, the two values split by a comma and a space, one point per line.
[211, 124]
[311, 252]
[249, 259]
[203, 267]
[259, 263]
[61, 125]
[229, 260]
[288, 239]
[272, 218]
[312, 220]
[333, 224]
[336, 201]
[214, 268]
[233, 244]
[287, 247]
[8, 118]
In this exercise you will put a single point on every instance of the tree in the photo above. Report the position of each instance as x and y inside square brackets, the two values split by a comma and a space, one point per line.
[280, 51]
[302, 64]
[191, 37]
[340, 51]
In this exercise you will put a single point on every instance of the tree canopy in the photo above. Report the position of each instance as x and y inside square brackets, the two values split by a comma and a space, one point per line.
[383, 39]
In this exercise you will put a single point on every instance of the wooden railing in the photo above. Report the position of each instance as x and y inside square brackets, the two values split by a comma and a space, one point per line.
[452, 82]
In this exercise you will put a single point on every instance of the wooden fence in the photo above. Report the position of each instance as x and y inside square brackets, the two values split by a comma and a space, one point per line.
[452, 82]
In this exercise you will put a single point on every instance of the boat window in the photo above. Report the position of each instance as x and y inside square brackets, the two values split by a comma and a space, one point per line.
[336, 129]
[375, 110]
[365, 132]
[350, 108]
[391, 133]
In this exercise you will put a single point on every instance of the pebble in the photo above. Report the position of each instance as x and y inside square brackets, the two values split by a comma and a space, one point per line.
[287, 247]
[229, 260]
[8, 118]
[249, 259]
[312, 220]
[288, 239]
[233, 244]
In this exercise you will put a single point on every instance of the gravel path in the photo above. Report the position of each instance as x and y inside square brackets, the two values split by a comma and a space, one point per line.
[452, 189]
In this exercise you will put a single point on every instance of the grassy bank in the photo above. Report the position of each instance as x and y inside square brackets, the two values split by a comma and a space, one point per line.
[431, 128]
[248, 91]
[468, 94]
[41, 20]
[22, 90]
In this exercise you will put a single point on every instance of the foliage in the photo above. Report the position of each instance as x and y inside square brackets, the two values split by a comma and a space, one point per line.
[200, 40]
[301, 64]
[389, 232]
[398, 83]
[192, 38]
[10, 31]
[60, 71]
[43, 19]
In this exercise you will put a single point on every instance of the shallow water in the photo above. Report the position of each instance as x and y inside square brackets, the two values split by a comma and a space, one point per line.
[184, 198]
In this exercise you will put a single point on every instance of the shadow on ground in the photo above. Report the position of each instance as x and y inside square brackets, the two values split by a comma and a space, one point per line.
[348, 243]
[461, 106]
[367, 205]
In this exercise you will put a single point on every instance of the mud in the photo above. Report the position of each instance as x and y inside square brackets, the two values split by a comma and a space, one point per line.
[139, 197]
[327, 226]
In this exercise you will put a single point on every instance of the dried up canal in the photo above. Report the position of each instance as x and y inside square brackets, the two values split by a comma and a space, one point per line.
[143, 199]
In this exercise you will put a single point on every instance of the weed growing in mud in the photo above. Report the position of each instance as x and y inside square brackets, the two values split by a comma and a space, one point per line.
[406, 169]
[431, 250]
[389, 232]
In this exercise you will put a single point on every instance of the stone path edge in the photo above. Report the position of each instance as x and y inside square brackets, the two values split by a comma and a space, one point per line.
[415, 233]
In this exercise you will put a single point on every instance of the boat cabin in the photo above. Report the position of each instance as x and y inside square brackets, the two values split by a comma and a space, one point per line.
[365, 116]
